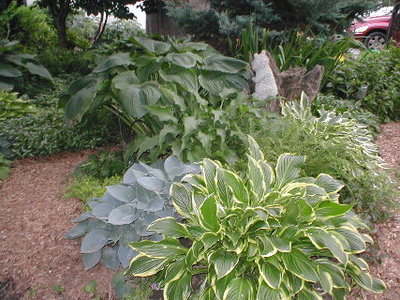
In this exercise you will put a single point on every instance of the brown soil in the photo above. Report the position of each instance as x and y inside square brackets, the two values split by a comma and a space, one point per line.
[34, 216]
[386, 254]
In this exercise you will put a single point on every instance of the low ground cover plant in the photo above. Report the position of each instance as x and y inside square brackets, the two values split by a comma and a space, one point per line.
[266, 235]
[334, 145]
[12, 106]
[123, 213]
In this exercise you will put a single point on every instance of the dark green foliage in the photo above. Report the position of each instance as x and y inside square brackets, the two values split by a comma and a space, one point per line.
[333, 145]
[11, 106]
[228, 18]
[102, 165]
[124, 212]
[4, 167]
[373, 81]
[176, 96]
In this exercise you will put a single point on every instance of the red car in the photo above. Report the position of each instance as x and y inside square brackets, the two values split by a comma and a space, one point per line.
[373, 29]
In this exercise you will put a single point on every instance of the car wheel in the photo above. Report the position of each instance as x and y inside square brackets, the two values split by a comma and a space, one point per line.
[376, 41]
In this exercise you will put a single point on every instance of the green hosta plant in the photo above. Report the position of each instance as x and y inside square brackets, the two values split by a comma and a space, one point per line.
[12, 61]
[13, 107]
[267, 235]
[176, 96]
[124, 212]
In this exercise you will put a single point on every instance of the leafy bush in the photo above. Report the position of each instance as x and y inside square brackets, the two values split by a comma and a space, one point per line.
[172, 94]
[13, 107]
[124, 212]
[46, 133]
[268, 235]
[102, 165]
[334, 145]
[362, 80]
[12, 60]
[4, 167]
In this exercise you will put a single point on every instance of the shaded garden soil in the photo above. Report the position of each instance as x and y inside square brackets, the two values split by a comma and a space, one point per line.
[35, 258]
[386, 252]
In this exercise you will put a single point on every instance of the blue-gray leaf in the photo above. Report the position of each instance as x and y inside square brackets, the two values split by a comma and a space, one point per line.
[121, 193]
[102, 210]
[91, 259]
[125, 255]
[109, 257]
[94, 241]
[152, 184]
[124, 214]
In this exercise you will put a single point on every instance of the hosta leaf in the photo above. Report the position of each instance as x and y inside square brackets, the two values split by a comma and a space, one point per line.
[305, 294]
[268, 248]
[152, 184]
[143, 266]
[216, 83]
[219, 285]
[179, 289]
[366, 281]
[326, 281]
[209, 169]
[270, 274]
[163, 113]
[81, 101]
[269, 175]
[328, 183]
[122, 287]
[174, 271]
[77, 231]
[38, 70]
[330, 209]
[124, 214]
[190, 124]
[208, 214]
[223, 190]
[288, 168]
[94, 241]
[187, 79]
[168, 227]
[154, 205]
[209, 239]
[354, 239]
[323, 239]
[173, 98]
[224, 64]
[239, 288]
[153, 46]
[181, 59]
[120, 59]
[281, 244]
[361, 263]
[7, 70]
[103, 209]
[91, 259]
[256, 178]
[254, 149]
[181, 199]
[337, 275]
[224, 262]
[109, 258]
[167, 248]
[174, 167]
[121, 193]
[237, 186]
[300, 265]
[125, 255]
[264, 292]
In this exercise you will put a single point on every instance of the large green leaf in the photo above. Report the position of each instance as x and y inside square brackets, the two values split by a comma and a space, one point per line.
[256, 178]
[224, 64]
[120, 59]
[7, 70]
[270, 274]
[81, 102]
[300, 265]
[94, 241]
[167, 248]
[288, 168]
[169, 227]
[215, 83]
[330, 209]
[164, 113]
[240, 289]
[187, 79]
[237, 186]
[179, 289]
[224, 262]
[181, 59]
[153, 46]
[264, 292]
[143, 266]
[181, 199]
[38, 70]
[208, 214]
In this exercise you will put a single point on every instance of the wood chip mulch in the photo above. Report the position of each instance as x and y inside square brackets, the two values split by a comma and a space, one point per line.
[34, 216]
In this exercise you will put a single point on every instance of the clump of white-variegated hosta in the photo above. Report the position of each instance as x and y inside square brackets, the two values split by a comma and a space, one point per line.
[124, 212]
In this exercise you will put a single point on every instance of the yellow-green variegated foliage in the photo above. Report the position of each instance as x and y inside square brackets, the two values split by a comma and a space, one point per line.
[266, 235]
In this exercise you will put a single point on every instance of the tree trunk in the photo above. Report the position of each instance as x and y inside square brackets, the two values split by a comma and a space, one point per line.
[61, 26]
[102, 27]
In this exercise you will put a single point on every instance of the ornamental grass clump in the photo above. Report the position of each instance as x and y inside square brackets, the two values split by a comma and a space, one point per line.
[266, 235]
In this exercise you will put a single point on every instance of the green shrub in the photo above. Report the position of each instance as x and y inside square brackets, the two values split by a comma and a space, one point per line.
[334, 145]
[373, 81]
[124, 212]
[102, 165]
[46, 133]
[4, 167]
[13, 107]
[266, 235]
[179, 97]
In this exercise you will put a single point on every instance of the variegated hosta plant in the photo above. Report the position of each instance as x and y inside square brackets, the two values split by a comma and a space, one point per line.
[266, 235]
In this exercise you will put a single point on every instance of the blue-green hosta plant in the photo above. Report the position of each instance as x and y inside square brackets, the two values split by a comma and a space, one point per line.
[124, 212]
[266, 235]
[179, 97]
[13, 62]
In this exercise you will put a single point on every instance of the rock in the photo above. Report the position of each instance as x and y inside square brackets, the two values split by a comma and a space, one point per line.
[265, 82]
